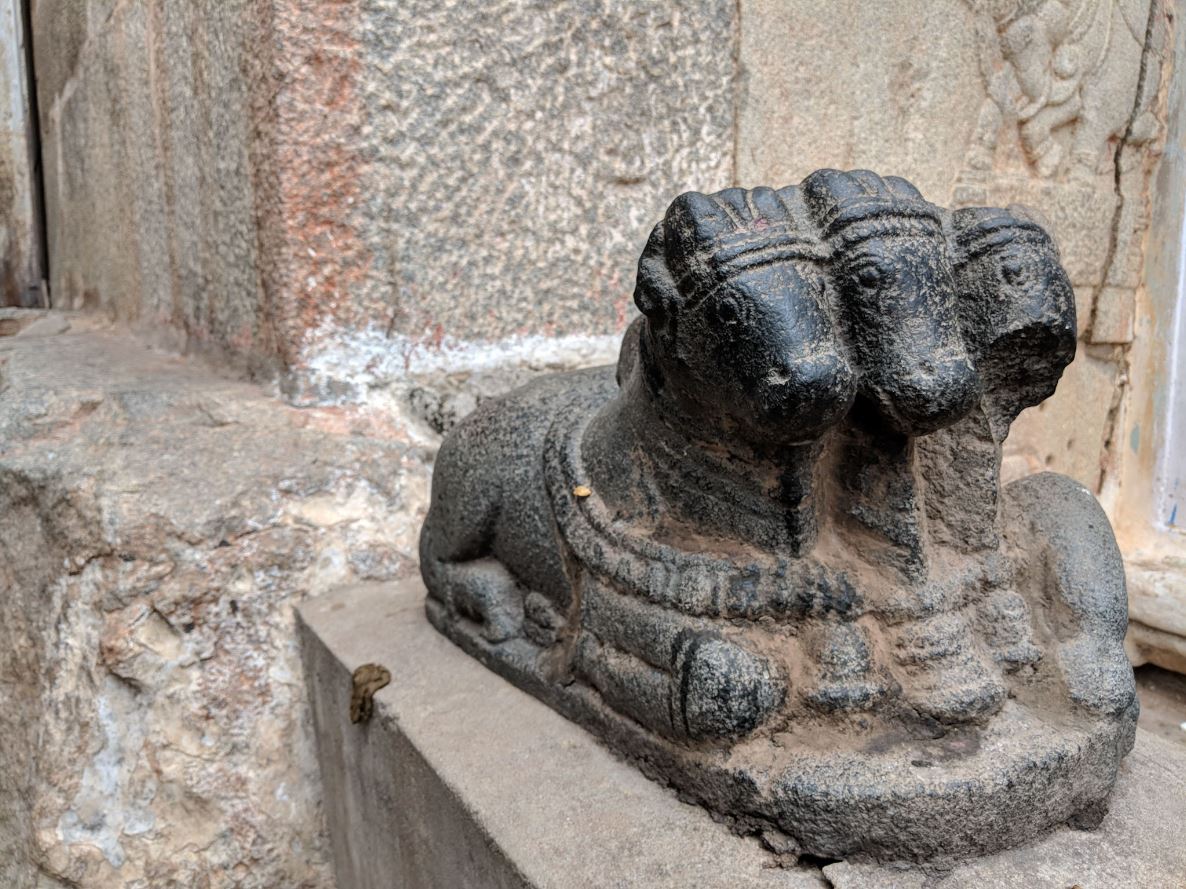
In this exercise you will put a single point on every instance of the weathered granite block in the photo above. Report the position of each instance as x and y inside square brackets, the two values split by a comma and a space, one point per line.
[476, 149]
[157, 521]
[505, 141]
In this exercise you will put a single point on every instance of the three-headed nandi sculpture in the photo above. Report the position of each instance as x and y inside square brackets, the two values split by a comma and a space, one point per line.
[769, 558]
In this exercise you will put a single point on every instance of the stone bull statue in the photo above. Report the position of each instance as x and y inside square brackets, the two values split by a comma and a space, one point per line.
[767, 556]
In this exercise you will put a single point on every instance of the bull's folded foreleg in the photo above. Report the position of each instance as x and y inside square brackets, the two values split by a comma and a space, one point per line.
[678, 676]
[481, 590]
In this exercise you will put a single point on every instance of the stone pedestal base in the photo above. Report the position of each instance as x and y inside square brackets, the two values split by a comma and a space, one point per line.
[462, 780]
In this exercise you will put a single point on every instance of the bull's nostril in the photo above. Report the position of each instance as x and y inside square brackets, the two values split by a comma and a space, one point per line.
[804, 395]
[939, 393]
[831, 372]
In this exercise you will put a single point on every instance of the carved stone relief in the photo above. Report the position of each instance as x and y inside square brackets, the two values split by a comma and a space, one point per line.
[1065, 74]
[1070, 124]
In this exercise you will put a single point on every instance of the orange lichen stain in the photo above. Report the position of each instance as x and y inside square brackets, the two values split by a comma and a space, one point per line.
[324, 259]
[438, 336]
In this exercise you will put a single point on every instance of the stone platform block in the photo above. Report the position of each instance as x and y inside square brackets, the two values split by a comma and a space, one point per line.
[461, 780]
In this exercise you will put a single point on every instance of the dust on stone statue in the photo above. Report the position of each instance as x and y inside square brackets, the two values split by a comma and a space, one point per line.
[769, 558]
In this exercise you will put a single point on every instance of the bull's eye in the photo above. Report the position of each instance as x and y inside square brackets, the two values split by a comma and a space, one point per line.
[1013, 270]
[871, 276]
[727, 312]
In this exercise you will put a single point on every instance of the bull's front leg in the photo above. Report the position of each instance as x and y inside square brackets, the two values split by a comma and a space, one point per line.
[482, 591]
[462, 576]
[679, 676]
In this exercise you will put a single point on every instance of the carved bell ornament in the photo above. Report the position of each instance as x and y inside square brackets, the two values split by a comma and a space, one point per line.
[768, 558]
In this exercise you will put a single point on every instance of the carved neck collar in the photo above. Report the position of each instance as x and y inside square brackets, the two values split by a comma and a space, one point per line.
[752, 583]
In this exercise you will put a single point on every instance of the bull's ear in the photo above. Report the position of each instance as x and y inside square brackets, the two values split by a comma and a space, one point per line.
[897, 186]
[697, 222]
[655, 292]
[826, 190]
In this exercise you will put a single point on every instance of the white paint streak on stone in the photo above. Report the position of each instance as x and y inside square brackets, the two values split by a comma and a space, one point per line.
[101, 812]
[353, 367]
[1171, 471]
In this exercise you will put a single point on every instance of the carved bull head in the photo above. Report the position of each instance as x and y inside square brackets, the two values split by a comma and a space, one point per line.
[1017, 307]
[891, 265]
[739, 330]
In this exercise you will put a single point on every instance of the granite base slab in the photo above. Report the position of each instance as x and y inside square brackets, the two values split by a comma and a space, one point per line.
[461, 780]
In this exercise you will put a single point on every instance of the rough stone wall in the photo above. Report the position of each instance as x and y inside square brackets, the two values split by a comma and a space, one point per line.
[338, 188]
[489, 173]
[148, 141]
[156, 523]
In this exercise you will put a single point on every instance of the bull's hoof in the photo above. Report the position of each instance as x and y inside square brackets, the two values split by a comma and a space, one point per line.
[947, 677]
[720, 689]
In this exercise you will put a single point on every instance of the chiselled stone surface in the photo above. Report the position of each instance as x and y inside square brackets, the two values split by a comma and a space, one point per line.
[476, 149]
[510, 140]
[328, 188]
[156, 524]
[769, 557]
